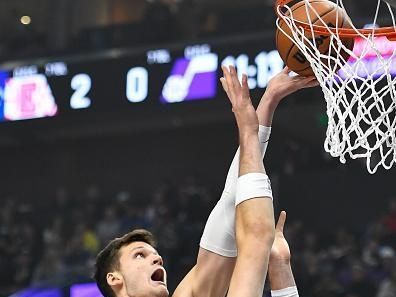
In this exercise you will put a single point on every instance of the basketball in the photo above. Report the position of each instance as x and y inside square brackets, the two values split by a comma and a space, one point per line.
[328, 12]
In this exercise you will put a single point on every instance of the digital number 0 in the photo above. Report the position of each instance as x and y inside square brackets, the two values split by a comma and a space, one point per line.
[137, 84]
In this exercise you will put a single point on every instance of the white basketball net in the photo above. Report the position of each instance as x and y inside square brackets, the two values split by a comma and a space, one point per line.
[360, 97]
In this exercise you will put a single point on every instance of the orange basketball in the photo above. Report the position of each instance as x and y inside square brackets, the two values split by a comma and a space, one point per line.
[328, 12]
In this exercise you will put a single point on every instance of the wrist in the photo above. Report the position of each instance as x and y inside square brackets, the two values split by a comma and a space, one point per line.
[279, 267]
[266, 109]
[280, 276]
[279, 264]
[271, 97]
[247, 137]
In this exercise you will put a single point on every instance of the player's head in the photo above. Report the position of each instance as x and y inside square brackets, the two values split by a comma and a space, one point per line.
[131, 266]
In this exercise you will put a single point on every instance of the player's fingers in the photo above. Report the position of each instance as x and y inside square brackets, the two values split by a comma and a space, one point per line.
[234, 76]
[304, 78]
[303, 82]
[224, 84]
[311, 82]
[298, 78]
[281, 221]
[286, 70]
[228, 79]
[310, 78]
[245, 87]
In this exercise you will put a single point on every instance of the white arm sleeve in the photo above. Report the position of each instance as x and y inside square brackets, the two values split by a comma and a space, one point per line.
[219, 232]
[233, 172]
[286, 292]
[253, 185]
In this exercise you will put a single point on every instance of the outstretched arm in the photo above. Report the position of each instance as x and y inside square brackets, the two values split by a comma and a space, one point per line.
[254, 211]
[216, 258]
[282, 281]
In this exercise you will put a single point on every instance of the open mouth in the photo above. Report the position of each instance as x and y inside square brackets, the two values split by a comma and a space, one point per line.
[159, 275]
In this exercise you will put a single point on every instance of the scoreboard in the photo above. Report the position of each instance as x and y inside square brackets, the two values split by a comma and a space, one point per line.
[122, 80]
[147, 79]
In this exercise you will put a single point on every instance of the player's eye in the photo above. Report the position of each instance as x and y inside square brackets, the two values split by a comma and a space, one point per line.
[139, 255]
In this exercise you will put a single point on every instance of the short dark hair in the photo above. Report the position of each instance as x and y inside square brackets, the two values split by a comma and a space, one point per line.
[108, 258]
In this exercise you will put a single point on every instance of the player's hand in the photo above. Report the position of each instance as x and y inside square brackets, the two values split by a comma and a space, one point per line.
[242, 106]
[280, 251]
[282, 84]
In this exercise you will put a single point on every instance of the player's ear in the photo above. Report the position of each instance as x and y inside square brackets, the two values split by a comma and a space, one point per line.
[114, 278]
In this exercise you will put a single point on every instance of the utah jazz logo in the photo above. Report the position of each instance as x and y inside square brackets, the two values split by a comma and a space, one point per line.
[191, 79]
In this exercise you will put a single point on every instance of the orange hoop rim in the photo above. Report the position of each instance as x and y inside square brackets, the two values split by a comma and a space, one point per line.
[389, 32]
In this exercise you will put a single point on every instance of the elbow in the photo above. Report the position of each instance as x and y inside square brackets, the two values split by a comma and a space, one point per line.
[266, 233]
[255, 224]
[261, 234]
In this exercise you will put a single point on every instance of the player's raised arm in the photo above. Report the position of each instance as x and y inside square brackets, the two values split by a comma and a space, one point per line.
[217, 253]
[254, 210]
[279, 271]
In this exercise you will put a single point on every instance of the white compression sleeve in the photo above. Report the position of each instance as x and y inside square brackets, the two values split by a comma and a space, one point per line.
[253, 185]
[286, 292]
[219, 233]
[233, 172]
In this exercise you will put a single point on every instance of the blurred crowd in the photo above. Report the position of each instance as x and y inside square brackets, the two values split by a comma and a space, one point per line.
[345, 263]
[138, 23]
[78, 26]
[55, 242]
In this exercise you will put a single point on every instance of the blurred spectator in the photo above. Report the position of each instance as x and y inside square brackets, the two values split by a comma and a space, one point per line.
[109, 226]
[53, 235]
[23, 263]
[389, 222]
[360, 285]
[370, 253]
[90, 242]
[79, 253]
[387, 287]
[327, 286]
[50, 270]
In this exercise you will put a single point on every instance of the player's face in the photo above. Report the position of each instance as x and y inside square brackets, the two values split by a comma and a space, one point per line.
[142, 270]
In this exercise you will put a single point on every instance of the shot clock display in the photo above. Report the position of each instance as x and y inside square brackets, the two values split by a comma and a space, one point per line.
[123, 79]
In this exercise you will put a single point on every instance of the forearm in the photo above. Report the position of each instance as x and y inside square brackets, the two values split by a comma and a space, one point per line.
[233, 171]
[266, 108]
[281, 280]
[280, 276]
[254, 222]
[250, 158]
[255, 235]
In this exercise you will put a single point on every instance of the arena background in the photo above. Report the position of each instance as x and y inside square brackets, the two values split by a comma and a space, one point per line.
[122, 154]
